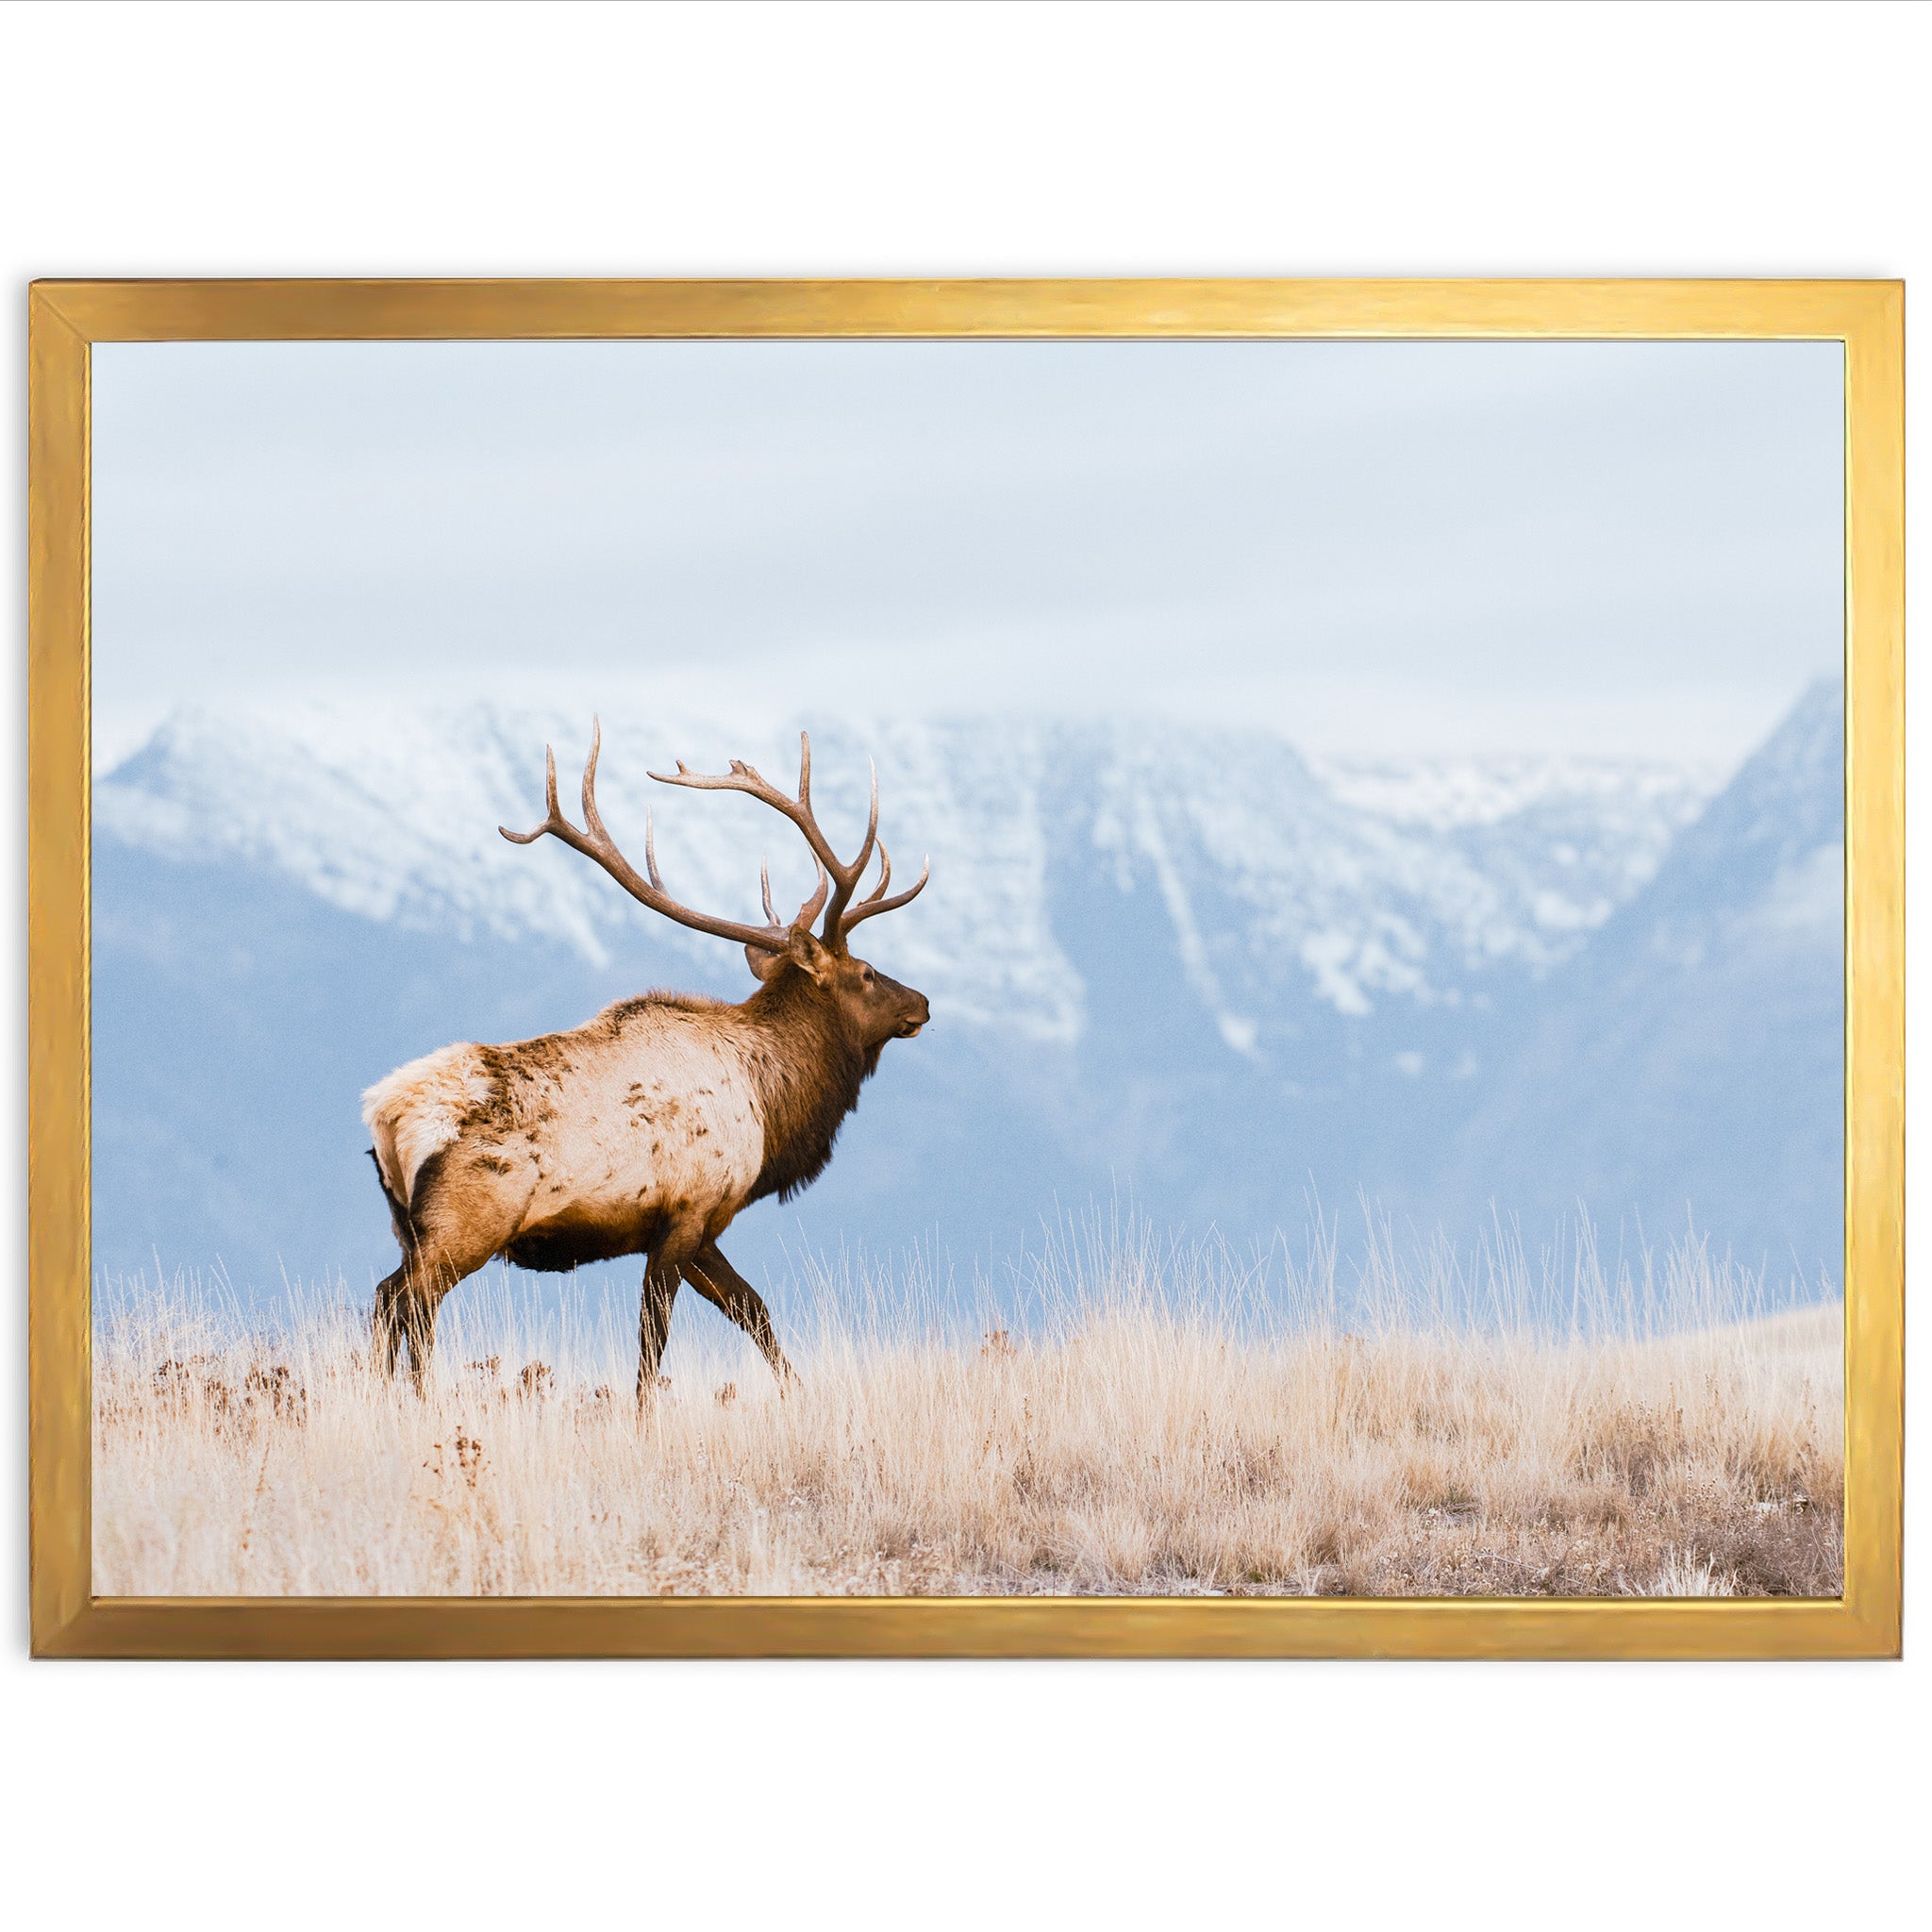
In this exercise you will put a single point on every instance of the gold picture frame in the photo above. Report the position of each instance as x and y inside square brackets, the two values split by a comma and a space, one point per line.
[66, 318]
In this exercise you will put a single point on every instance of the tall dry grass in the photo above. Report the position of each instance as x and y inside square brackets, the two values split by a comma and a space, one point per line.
[1162, 1422]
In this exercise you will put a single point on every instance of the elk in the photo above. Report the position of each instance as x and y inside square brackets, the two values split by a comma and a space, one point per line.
[648, 1129]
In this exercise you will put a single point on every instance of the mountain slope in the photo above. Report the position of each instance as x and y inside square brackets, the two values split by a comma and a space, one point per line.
[1185, 968]
[1691, 1056]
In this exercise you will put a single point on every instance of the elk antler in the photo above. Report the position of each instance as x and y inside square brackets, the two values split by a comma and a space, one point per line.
[595, 842]
[875, 901]
[844, 877]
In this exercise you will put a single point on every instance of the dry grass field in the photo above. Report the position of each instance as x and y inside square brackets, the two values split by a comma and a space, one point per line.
[1160, 1424]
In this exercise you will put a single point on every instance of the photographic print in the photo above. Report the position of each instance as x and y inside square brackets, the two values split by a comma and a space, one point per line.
[976, 968]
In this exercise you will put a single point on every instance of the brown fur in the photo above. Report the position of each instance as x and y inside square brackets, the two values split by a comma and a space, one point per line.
[809, 1081]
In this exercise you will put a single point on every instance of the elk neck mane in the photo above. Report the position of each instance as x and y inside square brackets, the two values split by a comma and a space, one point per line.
[809, 1070]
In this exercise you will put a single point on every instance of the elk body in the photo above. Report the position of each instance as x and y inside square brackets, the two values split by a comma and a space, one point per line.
[645, 1131]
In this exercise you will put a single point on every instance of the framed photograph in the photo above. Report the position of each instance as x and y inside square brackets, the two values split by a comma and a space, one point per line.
[981, 968]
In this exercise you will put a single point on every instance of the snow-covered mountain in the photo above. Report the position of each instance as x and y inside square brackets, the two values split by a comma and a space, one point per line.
[1707, 1017]
[1351, 883]
[1190, 966]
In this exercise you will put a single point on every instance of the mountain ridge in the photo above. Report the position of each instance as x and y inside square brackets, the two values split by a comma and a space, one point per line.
[1193, 967]
[396, 821]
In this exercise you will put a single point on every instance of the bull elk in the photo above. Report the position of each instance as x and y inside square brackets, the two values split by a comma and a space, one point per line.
[647, 1130]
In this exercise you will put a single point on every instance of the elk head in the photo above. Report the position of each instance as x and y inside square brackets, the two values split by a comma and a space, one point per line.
[872, 1008]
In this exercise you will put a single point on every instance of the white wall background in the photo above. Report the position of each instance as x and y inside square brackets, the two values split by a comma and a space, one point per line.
[1092, 140]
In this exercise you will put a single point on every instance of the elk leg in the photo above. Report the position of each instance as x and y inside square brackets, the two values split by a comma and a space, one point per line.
[727, 1291]
[419, 1327]
[405, 1318]
[455, 1225]
[654, 1328]
[386, 1324]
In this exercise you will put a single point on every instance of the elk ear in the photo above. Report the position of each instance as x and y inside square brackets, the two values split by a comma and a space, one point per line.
[763, 963]
[808, 954]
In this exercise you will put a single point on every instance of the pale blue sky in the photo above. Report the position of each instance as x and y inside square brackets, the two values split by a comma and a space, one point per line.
[1372, 547]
